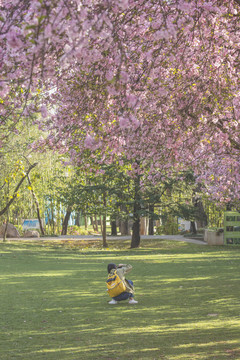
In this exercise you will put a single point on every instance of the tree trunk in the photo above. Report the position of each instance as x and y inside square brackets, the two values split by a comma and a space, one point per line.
[5, 231]
[123, 224]
[96, 222]
[143, 226]
[77, 220]
[65, 221]
[193, 229]
[37, 205]
[202, 218]
[93, 223]
[52, 217]
[135, 233]
[86, 222]
[104, 223]
[151, 225]
[124, 227]
[7, 220]
[136, 215]
[113, 227]
[104, 231]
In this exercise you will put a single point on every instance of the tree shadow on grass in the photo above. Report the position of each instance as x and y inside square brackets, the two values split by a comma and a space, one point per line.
[54, 305]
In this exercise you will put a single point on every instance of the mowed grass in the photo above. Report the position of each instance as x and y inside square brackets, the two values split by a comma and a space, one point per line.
[54, 304]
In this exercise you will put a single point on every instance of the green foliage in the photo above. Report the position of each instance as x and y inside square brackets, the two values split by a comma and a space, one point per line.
[200, 230]
[19, 228]
[170, 228]
[215, 213]
[15, 160]
[77, 230]
[186, 211]
[109, 190]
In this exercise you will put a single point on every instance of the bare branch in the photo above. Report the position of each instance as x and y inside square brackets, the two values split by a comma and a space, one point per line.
[16, 190]
[237, 1]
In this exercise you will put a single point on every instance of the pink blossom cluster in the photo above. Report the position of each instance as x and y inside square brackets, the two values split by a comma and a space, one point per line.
[156, 82]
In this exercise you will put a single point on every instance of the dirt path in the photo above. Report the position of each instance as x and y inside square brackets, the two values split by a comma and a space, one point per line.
[99, 237]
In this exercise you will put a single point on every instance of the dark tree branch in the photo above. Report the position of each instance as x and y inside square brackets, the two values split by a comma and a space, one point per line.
[37, 205]
[16, 190]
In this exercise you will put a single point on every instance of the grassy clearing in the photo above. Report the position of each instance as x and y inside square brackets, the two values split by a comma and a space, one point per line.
[54, 304]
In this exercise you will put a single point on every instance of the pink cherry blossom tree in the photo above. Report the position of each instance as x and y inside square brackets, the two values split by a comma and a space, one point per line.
[155, 83]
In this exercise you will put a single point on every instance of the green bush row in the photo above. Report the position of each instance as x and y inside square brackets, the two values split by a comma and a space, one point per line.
[167, 229]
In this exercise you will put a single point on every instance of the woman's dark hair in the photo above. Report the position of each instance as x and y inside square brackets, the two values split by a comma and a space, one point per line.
[110, 267]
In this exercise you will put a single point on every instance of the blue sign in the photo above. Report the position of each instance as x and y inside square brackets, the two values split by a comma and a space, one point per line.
[30, 224]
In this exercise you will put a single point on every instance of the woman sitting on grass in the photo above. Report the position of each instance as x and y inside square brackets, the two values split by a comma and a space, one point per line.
[128, 294]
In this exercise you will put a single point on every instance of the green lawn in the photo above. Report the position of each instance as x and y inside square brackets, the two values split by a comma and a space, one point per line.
[54, 304]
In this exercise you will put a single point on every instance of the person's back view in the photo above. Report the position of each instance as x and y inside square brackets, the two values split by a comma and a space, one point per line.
[128, 293]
